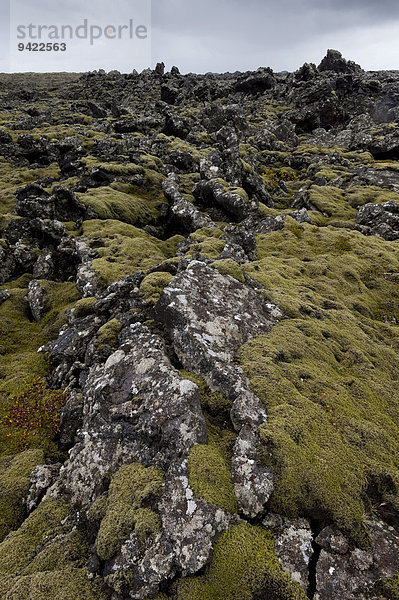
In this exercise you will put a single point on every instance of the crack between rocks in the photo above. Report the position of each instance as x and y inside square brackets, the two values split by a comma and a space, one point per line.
[314, 559]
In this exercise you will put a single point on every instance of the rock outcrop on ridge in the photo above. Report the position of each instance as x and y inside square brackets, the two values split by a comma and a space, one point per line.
[199, 312]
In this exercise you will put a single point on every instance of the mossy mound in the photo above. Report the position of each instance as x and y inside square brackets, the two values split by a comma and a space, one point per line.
[65, 584]
[132, 489]
[114, 168]
[108, 334]
[20, 336]
[124, 249]
[339, 206]
[244, 564]
[45, 558]
[331, 201]
[84, 307]
[152, 285]
[328, 376]
[57, 298]
[305, 273]
[33, 418]
[14, 486]
[209, 477]
[206, 243]
[113, 203]
[229, 267]
[360, 195]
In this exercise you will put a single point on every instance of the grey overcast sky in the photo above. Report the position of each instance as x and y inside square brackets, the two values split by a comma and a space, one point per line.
[215, 35]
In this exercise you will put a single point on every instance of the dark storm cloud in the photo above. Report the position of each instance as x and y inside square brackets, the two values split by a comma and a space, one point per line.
[229, 35]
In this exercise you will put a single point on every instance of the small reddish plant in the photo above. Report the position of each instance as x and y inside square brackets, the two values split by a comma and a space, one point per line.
[35, 413]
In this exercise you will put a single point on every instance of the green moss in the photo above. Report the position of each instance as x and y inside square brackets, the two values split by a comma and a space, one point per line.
[20, 547]
[186, 183]
[98, 509]
[124, 249]
[392, 165]
[147, 525]
[244, 563]
[69, 548]
[301, 275]
[20, 337]
[388, 588]
[152, 285]
[247, 168]
[331, 201]
[229, 189]
[331, 174]
[109, 203]
[229, 267]
[209, 477]
[178, 144]
[206, 243]
[294, 227]
[96, 230]
[84, 307]
[343, 244]
[209, 465]
[151, 162]
[335, 355]
[14, 486]
[132, 486]
[114, 168]
[64, 584]
[201, 235]
[340, 206]
[108, 334]
[358, 196]
[57, 298]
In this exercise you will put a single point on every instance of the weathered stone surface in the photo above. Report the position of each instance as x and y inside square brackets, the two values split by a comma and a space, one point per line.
[379, 219]
[4, 295]
[189, 529]
[384, 178]
[208, 317]
[213, 191]
[34, 201]
[37, 299]
[135, 398]
[71, 418]
[138, 408]
[40, 480]
[332, 540]
[182, 210]
[350, 575]
[255, 83]
[253, 483]
[294, 549]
